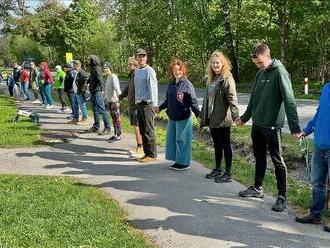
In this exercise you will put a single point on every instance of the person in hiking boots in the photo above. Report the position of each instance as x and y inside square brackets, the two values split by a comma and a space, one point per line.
[129, 92]
[146, 99]
[180, 101]
[59, 86]
[79, 86]
[220, 108]
[96, 88]
[320, 170]
[271, 98]
[112, 93]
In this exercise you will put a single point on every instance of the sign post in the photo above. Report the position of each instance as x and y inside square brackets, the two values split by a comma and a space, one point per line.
[68, 58]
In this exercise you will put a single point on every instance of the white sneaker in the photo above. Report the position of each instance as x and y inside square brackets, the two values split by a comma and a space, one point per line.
[67, 110]
[36, 101]
[49, 106]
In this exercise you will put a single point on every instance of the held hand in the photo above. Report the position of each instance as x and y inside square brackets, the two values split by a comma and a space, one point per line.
[239, 122]
[299, 135]
[156, 109]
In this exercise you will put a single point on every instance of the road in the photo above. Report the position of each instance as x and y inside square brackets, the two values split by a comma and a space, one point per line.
[306, 108]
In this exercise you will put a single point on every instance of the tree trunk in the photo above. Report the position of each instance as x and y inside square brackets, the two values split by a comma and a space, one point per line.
[229, 40]
[283, 24]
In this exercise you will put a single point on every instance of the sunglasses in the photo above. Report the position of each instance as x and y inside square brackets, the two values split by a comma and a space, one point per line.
[253, 55]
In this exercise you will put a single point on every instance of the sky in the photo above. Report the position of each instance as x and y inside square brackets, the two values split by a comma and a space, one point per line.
[35, 3]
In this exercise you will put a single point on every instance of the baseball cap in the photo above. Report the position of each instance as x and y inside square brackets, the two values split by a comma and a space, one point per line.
[108, 65]
[58, 67]
[141, 51]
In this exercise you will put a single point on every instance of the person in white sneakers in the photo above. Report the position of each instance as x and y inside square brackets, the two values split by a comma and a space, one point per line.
[129, 92]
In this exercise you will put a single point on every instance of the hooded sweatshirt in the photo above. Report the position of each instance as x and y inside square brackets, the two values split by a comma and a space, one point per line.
[59, 79]
[271, 98]
[320, 123]
[45, 76]
[95, 80]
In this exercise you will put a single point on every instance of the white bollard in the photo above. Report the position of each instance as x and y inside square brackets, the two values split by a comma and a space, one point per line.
[306, 86]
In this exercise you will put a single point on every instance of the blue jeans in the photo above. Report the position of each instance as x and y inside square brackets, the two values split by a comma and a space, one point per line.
[319, 176]
[178, 141]
[25, 88]
[47, 91]
[79, 101]
[98, 108]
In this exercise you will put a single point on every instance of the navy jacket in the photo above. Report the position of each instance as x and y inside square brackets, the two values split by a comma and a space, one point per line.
[180, 100]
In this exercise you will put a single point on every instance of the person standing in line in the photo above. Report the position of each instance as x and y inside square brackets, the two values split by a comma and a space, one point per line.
[34, 83]
[80, 88]
[146, 99]
[10, 85]
[24, 79]
[96, 88]
[16, 75]
[320, 170]
[46, 81]
[59, 86]
[112, 93]
[220, 108]
[129, 92]
[180, 101]
[271, 98]
[68, 89]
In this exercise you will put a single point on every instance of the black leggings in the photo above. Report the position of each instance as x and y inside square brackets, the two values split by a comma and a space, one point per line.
[221, 140]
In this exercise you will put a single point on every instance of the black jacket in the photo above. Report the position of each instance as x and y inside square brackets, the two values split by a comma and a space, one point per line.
[95, 79]
[68, 81]
[81, 81]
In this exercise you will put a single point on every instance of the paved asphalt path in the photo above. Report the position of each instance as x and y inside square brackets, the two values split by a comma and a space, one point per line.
[175, 209]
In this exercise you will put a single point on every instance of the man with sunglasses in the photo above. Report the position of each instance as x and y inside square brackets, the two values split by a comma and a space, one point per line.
[271, 98]
[146, 99]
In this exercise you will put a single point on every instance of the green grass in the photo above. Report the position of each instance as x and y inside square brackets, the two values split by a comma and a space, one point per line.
[39, 211]
[16, 134]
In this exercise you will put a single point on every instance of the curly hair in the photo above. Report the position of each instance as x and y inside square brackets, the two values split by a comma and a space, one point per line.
[179, 62]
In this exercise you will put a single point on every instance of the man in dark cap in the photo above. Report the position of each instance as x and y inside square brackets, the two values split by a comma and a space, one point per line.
[146, 98]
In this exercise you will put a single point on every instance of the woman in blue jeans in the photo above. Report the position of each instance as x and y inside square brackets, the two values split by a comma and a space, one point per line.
[180, 101]
[46, 81]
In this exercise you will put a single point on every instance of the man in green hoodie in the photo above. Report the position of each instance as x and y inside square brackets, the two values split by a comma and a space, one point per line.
[59, 86]
[271, 98]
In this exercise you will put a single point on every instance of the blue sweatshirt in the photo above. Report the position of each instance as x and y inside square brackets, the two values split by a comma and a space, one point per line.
[180, 100]
[320, 124]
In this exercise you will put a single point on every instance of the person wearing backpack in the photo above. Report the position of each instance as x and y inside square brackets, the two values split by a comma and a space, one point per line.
[220, 108]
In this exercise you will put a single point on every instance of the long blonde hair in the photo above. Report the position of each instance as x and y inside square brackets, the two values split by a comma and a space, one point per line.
[226, 68]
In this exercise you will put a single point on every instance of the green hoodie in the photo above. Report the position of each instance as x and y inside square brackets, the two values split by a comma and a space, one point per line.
[271, 98]
[59, 79]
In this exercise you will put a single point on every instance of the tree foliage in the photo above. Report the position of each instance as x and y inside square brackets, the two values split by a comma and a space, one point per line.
[297, 32]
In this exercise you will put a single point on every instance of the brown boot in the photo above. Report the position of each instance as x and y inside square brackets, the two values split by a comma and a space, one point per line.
[309, 219]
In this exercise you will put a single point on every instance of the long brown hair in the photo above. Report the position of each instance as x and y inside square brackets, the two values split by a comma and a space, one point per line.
[226, 68]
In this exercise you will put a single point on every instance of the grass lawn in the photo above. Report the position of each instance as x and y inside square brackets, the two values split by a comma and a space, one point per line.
[15, 134]
[39, 211]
